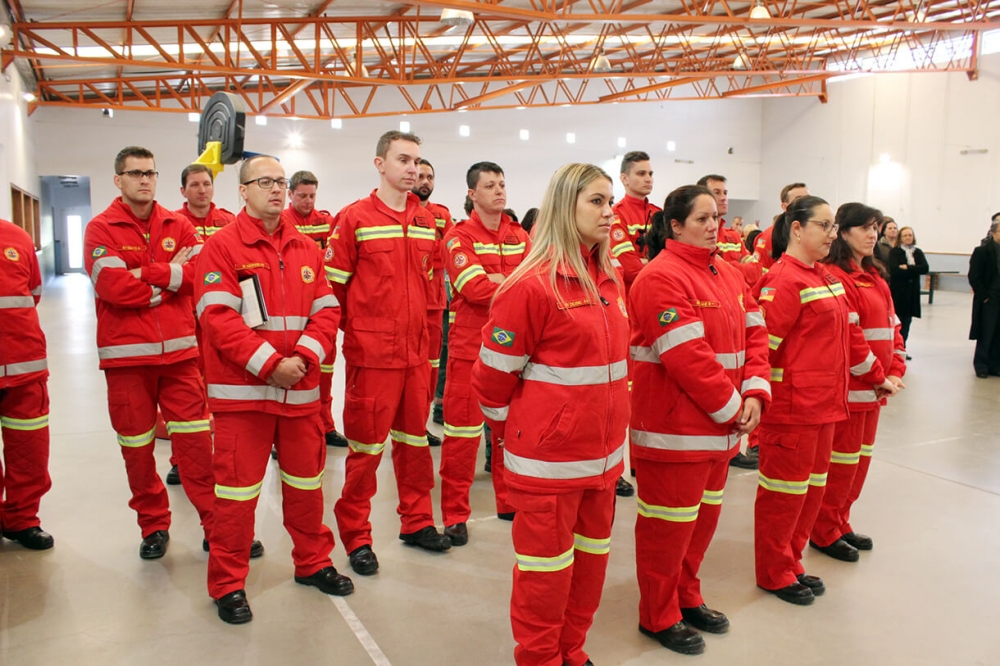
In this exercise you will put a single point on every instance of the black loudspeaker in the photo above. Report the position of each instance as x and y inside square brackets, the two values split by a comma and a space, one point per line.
[224, 120]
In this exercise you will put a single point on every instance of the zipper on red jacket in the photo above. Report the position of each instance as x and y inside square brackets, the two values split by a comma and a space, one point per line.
[607, 421]
[156, 314]
[284, 331]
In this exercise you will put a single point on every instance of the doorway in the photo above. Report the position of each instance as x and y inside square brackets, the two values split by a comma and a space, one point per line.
[67, 200]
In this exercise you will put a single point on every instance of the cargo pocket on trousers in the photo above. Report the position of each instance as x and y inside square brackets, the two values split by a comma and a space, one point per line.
[224, 459]
[122, 413]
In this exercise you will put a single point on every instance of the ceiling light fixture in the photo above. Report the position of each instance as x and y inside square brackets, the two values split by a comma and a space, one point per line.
[261, 121]
[621, 142]
[463, 130]
[404, 126]
[194, 117]
[740, 62]
[29, 97]
[337, 123]
[524, 135]
[600, 64]
[457, 18]
[570, 137]
[759, 11]
[108, 113]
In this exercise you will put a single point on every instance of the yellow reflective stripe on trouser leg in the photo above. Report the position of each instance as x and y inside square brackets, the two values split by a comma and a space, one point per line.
[407, 438]
[465, 432]
[783, 486]
[867, 449]
[238, 494]
[187, 427]
[845, 458]
[713, 497]
[370, 449]
[673, 514]
[590, 545]
[326, 369]
[136, 441]
[818, 480]
[303, 482]
[544, 564]
[36, 423]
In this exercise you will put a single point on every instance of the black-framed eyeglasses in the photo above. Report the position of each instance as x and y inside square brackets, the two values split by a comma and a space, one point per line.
[266, 183]
[138, 175]
[827, 227]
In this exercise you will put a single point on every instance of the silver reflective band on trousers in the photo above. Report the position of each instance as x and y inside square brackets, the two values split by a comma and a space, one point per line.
[575, 469]
[146, 348]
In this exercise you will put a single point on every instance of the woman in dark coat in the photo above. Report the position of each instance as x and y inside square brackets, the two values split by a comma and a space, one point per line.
[906, 266]
[984, 277]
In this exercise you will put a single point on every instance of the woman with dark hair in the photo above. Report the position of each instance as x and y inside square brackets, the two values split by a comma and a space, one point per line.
[984, 278]
[850, 261]
[699, 351]
[807, 316]
[907, 265]
[551, 379]
[529, 219]
[888, 232]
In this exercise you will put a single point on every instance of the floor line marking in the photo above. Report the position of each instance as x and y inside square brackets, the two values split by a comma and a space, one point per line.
[367, 642]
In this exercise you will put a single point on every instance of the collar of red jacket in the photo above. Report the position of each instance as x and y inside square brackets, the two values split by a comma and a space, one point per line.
[818, 268]
[252, 230]
[505, 221]
[413, 207]
[437, 210]
[187, 212]
[124, 215]
[699, 256]
[592, 261]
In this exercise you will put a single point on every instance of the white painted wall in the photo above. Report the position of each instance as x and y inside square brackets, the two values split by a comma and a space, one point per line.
[17, 145]
[921, 123]
[84, 143]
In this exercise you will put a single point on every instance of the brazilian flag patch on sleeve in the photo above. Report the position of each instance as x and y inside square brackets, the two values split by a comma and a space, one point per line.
[214, 277]
[668, 317]
[502, 337]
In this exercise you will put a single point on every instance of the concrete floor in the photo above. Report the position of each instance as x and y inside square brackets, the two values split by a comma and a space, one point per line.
[925, 595]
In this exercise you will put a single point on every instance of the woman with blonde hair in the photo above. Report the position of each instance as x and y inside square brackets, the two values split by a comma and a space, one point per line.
[551, 380]
[906, 265]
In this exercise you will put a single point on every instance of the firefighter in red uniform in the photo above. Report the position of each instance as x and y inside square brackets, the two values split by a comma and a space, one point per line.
[730, 243]
[198, 188]
[552, 380]
[762, 246]
[24, 397]
[812, 349]
[699, 345]
[482, 252]
[850, 261]
[437, 301]
[315, 225]
[263, 386]
[137, 254]
[379, 263]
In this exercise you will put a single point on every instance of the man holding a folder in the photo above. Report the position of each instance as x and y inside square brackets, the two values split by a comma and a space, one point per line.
[269, 318]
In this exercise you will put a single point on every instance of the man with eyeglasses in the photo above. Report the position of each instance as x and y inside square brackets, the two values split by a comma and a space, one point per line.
[379, 263]
[263, 385]
[137, 254]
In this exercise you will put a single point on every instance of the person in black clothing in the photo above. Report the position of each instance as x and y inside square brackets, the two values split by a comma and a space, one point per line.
[906, 265]
[984, 277]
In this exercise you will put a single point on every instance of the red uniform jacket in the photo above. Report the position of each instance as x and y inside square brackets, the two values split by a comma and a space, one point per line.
[473, 252]
[632, 218]
[872, 311]
[551, 379]
[206, 226]
[732, 249]
[302, 317]
[22, 343]
[762, 249]
[145, 320]
[379, 264]
[315, 227]
[438, 299]
[700, 349]
[812, 344]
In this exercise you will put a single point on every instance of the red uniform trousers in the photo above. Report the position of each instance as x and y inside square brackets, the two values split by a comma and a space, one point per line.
[24, 474]
[379, 403]
[794, 460]
[463, 429]
[853, 440]
[243, 443]
[561, 543]
[133, 395]
[435, 331]
[679, 507]
[326, 394]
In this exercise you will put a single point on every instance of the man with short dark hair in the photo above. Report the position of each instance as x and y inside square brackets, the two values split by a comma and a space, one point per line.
[762, 246]
[137, 254]
[263, 385]
[437, 301]
[632, 215]
[379, 264]
[730, 243]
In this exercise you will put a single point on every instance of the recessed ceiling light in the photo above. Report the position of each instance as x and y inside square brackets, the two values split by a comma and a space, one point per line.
[524, 135]
[463, 130]
[671, 146]
[404, 126]
[194, 117]
[336, 123]
[621, 142]
[261, 120]
[570, 137]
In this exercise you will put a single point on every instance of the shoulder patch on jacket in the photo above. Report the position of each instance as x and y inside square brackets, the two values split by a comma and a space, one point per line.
[308, 275]
[12, 254]
[668, 317]
[767, 294]
[460, 260]
[99, 252]
[502, 337]
[215, 277]
[168, 244]
[454, 242]
[618, 235]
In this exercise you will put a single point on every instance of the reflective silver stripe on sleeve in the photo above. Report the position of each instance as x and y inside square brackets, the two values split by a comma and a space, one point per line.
[587, 375]
[864, 366]
[219, 298]
[313, 345]
[576, 469]
[861, 396]
[494, 413]
[730, 410]
[269, 393]
[501, 362]
[755, 384]
[901, 353]
[732, 361]
[665, 442]
[196, 249]
[754, 319]
[23, 368]
[37, 291]
[156, 297]
[105, 262]
[259, 358]
[643, 354]
[328, 301]
[176, 277]
[853, 318]
[13, 302]
[284, 324]
[879, 333]
[679, 336]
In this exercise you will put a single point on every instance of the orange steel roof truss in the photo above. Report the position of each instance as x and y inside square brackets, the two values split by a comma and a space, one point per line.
[516, 53]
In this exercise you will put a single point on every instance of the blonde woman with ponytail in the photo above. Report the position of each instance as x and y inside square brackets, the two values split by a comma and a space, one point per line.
[552, 382]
